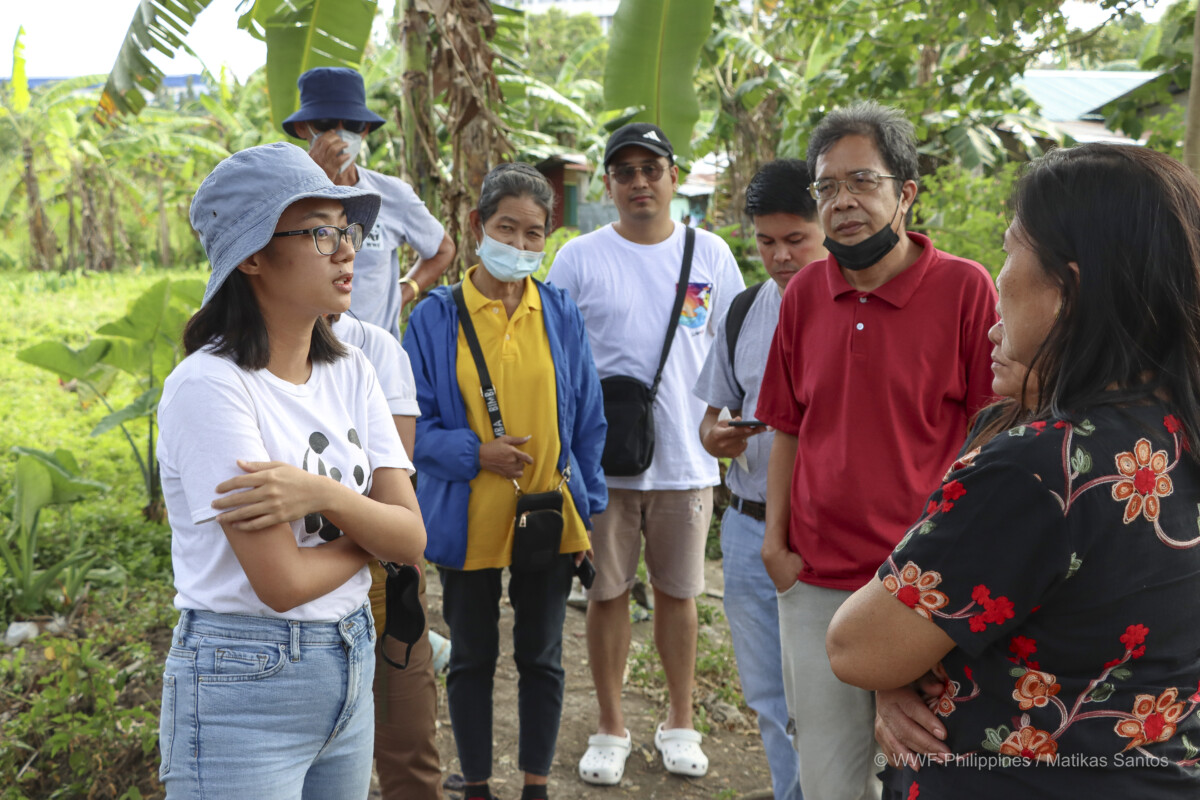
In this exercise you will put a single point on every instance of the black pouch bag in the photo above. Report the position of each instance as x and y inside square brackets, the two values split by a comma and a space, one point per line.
[537, 528]
[629, 403]
[538, 525]
[405, 618]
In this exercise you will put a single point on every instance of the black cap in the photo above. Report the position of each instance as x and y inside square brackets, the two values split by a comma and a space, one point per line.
[641, 134]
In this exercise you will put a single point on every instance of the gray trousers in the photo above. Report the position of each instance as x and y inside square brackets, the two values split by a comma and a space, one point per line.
[835, 722]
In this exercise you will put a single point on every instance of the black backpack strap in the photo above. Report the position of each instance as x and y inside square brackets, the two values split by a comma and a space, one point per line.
[735, 318]
[685, 271]
[485, 379]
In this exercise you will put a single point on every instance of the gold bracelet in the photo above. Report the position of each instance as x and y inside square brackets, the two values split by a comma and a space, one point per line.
[416, 287]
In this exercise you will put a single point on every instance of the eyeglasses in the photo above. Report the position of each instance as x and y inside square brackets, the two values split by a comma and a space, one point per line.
[861, 182]
[322, 125]
[627, 172]
[328, 238]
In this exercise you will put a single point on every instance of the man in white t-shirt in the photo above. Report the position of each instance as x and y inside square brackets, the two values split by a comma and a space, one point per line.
[624, 279]
[333, 118]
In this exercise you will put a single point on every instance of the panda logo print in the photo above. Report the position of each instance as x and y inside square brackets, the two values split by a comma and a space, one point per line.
[329, 459]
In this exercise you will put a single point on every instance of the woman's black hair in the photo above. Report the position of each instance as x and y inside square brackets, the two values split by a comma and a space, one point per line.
[233, 324]
[517, 179]
[1129, 326]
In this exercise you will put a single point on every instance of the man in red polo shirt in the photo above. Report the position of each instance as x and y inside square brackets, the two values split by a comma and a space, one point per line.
[879, 361]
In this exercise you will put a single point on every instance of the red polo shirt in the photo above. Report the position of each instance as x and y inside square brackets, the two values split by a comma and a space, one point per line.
[878, 387]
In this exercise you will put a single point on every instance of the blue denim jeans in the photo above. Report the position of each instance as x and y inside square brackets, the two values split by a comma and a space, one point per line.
[471, 607]
[268, 708]
[753, 615]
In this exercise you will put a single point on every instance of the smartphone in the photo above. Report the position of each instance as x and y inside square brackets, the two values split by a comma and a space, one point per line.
[586, 572]
[746, 423]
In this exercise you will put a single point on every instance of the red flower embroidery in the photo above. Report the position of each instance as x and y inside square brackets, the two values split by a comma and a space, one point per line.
[1172, 424]
[932, 507]
[1022, 647]
[914, 791]
[1060, 424]
[1145, 481]
[1038, 426]
[953, 490]
[994, 611]
[1134, 635]
[1195, 698]
[1154, 719]
[971, 676]
[916, 589]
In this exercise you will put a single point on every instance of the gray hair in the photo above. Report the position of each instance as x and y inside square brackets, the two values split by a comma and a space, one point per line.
[515, 180]
[892, 133]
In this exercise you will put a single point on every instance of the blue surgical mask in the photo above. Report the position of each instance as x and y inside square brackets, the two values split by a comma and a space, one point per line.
[506, 263]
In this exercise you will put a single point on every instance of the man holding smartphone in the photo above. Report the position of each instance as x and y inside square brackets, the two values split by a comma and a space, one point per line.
[789, 237]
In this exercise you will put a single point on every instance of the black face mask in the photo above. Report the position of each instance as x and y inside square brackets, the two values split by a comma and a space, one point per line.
[870, 251]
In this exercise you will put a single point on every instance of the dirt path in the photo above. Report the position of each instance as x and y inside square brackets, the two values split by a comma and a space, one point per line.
[737, 764]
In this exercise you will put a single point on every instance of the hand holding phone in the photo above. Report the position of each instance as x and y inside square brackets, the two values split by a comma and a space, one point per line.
[586, 572]
[746, 423]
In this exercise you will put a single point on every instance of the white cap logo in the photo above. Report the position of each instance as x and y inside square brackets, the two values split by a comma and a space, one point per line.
[651, 135]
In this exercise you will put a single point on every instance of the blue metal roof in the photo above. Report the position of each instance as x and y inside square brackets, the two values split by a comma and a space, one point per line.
[1065, 95]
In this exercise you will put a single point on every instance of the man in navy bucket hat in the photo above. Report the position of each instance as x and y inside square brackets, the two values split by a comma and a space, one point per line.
[333, 118]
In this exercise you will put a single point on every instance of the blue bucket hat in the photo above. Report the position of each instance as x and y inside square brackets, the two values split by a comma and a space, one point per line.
[238, 205]
[332, 93]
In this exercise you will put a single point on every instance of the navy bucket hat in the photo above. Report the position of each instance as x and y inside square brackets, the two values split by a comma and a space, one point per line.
[238, 205]
[332, 93]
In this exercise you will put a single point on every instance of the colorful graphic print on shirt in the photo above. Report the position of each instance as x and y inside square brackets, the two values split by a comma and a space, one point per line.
[314, 461]
[696, 305]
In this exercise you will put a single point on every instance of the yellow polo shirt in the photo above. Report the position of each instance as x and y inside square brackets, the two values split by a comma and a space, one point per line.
[517, 352]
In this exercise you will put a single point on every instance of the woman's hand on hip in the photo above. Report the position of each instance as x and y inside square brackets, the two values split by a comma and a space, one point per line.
[269, 493]
[502, 457]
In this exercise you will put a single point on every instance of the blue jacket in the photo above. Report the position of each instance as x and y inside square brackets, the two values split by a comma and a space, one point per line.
[447, 450]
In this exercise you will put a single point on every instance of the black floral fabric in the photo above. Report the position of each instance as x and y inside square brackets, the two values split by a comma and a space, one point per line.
[1063, 558]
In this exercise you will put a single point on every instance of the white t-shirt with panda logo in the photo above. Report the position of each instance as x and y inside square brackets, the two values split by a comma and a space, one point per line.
[212, 413]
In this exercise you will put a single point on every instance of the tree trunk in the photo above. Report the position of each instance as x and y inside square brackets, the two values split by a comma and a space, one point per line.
[164, 229]
[419, 155]
[1191, 139]
[72, 225]
[42, 243]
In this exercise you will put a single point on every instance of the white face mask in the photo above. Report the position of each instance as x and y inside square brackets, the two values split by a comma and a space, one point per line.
[507, 263]
[353, 146]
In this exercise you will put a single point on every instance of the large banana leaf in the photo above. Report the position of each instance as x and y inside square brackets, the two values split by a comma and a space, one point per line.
[159, 25]
[653, 50]
[302, 34]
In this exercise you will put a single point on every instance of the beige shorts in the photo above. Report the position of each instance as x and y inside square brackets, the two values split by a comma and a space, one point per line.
[675, 526]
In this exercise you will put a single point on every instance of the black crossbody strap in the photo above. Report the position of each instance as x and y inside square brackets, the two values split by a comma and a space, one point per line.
[485, 380]
[689, 245]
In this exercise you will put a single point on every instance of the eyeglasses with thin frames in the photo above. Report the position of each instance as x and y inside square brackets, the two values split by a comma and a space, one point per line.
[328, 238]
[862, 182]
[627, 172]
[326, 124]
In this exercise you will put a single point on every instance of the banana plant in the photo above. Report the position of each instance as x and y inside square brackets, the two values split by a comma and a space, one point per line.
[145, 345]
[42, 479]
[160, 25]
[652, 55]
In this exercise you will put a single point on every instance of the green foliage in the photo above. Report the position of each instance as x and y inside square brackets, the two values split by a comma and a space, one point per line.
[966, 214]
[83, 710]
[652, 54]
[302, 34]
[157, 24]
[145, 344]
[42, 479]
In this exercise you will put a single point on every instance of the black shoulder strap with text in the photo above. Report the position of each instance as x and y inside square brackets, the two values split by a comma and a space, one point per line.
[485, 379]
[685, 271]
[735, 318]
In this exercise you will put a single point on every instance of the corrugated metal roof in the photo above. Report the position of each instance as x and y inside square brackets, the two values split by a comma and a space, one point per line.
[1065, 95]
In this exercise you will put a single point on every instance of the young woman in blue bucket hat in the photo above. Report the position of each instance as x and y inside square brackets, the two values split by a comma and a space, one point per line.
[284, 476]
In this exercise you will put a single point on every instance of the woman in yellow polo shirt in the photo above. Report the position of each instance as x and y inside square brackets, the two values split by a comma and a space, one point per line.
[549, 434]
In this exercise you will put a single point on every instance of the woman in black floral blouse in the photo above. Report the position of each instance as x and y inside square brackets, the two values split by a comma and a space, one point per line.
[1053, 581]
